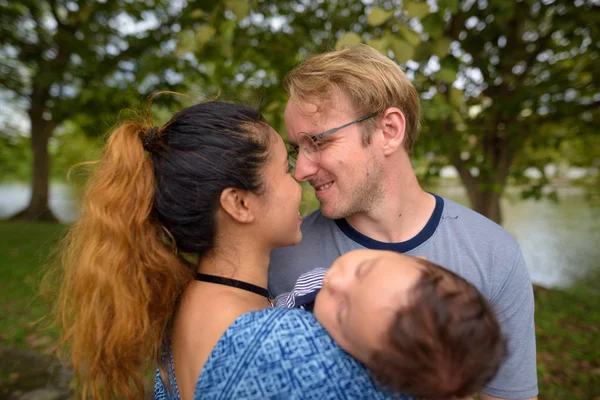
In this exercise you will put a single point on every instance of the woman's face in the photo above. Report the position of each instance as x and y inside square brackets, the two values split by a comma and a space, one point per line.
[362, 292]
[280, 218]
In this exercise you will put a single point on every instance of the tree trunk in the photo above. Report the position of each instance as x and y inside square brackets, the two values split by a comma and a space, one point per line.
[486, 203]
[41, 131]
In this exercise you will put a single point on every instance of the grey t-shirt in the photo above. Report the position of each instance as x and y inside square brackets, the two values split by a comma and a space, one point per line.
[458, 239]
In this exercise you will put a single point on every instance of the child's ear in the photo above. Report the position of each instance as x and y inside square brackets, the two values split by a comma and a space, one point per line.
[236, 204]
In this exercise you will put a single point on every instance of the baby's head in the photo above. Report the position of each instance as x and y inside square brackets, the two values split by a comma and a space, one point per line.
[420, 328]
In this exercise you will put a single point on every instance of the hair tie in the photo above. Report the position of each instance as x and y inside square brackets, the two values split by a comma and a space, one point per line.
[150, 137]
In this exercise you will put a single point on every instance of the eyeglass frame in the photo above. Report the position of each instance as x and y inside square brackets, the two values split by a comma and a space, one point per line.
[328, 132]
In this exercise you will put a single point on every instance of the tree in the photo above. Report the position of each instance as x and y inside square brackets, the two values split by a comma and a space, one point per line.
[521, 67]
[81, 61]
[495, 76]
[505, 85]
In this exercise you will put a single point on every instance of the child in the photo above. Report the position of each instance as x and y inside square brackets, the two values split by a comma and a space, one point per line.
[420, 328]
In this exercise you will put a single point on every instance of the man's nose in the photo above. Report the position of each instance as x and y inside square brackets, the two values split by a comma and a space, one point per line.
[305, 168]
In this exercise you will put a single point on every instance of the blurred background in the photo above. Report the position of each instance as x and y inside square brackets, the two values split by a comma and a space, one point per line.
[510, 103]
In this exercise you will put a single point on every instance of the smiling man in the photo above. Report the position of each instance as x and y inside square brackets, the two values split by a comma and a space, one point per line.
[353, 117]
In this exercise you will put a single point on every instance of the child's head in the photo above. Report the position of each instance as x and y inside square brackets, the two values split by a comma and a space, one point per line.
[420, 328]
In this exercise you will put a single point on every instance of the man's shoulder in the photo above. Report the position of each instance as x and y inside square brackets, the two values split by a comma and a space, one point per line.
[459, 219]
[476, 248]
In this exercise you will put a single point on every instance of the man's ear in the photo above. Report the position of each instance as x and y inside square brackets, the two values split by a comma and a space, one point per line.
[393, 126]
[236, 203]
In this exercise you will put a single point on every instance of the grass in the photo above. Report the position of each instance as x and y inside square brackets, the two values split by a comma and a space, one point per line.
[567, 322]
[24, 250]
[568, 343]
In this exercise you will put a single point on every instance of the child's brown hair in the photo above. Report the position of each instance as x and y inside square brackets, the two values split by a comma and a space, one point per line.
[446, 343]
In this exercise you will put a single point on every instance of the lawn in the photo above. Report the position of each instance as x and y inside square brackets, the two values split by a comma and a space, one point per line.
[24, 250]
[567, 322]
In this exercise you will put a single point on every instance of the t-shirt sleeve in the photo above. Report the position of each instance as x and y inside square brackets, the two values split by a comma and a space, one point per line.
[514, 305]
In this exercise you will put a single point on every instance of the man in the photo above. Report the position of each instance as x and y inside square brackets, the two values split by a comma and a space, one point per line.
[354, 117]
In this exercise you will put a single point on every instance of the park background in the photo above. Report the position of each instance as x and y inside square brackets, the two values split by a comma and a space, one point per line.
[509, 94]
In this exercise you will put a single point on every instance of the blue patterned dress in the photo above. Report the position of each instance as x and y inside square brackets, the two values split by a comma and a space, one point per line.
[278, 353]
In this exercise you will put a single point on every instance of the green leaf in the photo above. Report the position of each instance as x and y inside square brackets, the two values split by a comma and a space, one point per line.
[457, 118]
[448, 69]
[451, 5]
[438, 108]
[446, 75]
[204, 33]
[348, 39]
[457, 98]
[416, 10]
[441, 47]
[450, 62]
[422, 52]
[402, 49]
[271, 107]
[381, 45]
[197, 13]
[378, 16]
[241, 8]
[186, 43]
[433, 25]
[227, 32]
[410, 36]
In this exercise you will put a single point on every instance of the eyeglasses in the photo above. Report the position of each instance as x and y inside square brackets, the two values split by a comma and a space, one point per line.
[308, 144]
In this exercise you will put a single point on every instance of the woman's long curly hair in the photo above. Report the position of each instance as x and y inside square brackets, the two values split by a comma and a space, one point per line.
[155, 192]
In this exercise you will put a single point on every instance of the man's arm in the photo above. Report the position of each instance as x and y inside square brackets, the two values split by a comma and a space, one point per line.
[512, 299]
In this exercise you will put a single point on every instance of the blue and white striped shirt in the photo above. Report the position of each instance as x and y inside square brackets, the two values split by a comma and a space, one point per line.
[305, 290]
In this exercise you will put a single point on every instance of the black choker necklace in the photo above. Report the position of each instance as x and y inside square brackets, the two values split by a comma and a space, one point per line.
[234, 283]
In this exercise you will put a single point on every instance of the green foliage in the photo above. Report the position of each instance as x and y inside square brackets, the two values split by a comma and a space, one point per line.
[87, 60]
[506, 86]
[15, 158]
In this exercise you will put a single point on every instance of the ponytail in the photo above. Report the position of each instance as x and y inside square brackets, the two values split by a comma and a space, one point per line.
[120, 282]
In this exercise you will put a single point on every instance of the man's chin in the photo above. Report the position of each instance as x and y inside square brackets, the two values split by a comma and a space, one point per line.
[331, 212]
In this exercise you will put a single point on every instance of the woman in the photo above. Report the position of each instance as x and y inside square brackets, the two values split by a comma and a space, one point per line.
[213, 181]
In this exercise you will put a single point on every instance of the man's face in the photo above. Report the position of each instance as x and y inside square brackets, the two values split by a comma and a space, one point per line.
[347, 175]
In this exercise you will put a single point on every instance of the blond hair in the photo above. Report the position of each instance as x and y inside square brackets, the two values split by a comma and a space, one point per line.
[371, 81]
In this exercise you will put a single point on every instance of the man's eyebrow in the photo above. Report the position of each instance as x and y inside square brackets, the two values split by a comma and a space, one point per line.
[327, 139]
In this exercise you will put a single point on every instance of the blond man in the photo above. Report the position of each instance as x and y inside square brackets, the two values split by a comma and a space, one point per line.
[353, 117]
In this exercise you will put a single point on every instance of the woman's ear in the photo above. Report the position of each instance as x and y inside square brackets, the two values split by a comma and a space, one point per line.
[236, 204]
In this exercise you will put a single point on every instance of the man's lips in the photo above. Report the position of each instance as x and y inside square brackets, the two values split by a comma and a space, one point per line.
[323, 186]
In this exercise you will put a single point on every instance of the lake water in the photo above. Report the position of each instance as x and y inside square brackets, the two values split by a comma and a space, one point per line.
[560, 241]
